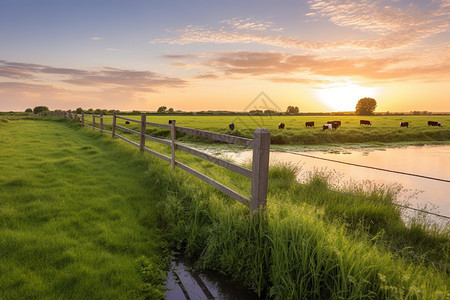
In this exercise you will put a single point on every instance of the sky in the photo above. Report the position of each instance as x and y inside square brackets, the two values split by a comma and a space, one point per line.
[198, 55]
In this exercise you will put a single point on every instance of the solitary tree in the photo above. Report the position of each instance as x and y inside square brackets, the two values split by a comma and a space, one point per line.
[365, 106]
[28, 110]
[40, 109]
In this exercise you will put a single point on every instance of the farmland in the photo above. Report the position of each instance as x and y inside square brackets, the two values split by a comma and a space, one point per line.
[385, 129]
[103, 216]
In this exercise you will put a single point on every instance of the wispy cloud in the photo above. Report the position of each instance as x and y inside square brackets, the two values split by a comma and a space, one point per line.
[390, 26]
[96, 38]
[285, 67]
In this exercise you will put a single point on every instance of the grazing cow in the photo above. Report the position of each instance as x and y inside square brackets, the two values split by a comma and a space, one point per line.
[127, 122]
[231, 126]
[326, 126]
[281, 126]
[404, 124]
[364, 122]
[433, 123]
[309, 124]
[336, 124]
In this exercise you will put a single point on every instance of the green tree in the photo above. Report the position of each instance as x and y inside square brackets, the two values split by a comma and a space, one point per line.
[161, 109]
[170, 110]
[79, 110]
[365, 106]
[40, 109]
[28, 110]
[292, 110]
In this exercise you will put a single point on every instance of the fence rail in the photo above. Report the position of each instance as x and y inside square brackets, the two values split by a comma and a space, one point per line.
[260, 144]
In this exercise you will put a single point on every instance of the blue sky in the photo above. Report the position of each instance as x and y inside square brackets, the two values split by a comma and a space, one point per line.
[197, 55]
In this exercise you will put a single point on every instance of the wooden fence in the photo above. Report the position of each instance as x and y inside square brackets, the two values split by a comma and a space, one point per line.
[260, 144]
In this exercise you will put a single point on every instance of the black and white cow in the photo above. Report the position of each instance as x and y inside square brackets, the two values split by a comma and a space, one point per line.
[433, 123]
[231, 126]
[326, 126]
[281, 126]
[404, 124]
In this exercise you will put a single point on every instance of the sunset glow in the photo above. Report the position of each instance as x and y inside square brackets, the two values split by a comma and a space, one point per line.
[344, 97]
[201, 55]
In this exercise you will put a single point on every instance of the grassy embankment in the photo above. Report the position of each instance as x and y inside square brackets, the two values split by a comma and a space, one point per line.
[385, 129]
[224, 238]
[310, 243]
[76, 217]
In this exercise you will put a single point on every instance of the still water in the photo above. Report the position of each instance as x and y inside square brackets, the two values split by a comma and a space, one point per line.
[431, 161]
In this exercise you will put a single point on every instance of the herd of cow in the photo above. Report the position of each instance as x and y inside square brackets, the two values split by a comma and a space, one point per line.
[337, 124]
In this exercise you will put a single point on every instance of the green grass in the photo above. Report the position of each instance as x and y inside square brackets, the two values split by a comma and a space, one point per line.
[76, 221]
[385, 129]
[88, 223]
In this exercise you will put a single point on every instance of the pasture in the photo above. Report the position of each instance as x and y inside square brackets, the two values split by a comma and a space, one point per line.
[384, 129]
[75, 222]
[86, 216]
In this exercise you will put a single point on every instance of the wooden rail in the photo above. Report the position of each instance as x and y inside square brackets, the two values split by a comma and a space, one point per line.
[260, 144]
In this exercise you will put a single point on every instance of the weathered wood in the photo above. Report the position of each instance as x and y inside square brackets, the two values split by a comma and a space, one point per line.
[127, 140]
[218, 136]
[142, 133]
[128, 119]
[158, 125]
[82, 119]
[101, 122]
[113, 133]
[157, 154]
[173, 135]
[158, 140]
[127, 129]
[260, 169]
[93, 121]
[223, 163]
[107, 131]
[244, 200]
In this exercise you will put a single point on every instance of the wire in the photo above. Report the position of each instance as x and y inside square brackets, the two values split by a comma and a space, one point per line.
[366, 198]
[363, 166]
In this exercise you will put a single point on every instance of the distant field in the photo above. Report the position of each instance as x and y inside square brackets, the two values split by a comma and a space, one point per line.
[385, 129]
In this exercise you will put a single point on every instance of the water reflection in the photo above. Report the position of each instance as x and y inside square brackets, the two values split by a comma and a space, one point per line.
[432, 161]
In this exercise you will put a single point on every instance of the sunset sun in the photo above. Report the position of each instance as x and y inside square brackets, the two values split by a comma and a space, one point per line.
[343, 97]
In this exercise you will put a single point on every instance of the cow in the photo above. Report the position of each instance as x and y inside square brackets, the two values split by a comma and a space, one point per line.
[326, 126]
[281, 126]
[231, 126]
[364, 122]
[309, 124]
[127, 122]
[336, 124]
[433, 123]
[404, 124]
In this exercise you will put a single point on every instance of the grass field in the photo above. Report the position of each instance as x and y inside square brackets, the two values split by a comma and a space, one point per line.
[81, 216]
[76, 222]
[385, 129]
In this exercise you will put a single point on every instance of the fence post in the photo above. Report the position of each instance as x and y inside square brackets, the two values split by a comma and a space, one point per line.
[93, 121]
[101, 122]
[260, 169]
[113, 130]
[143, 128]
[173, 134]
[82, 118]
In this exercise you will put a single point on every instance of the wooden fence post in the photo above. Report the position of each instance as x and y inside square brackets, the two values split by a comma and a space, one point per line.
[82, 118]
[93, 121]
[260, 169]
[101, 122]
[143, 128]
[173, 134]
[113, 130]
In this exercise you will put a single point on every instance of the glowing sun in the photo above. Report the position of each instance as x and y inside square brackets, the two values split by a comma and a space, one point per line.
[343, 97]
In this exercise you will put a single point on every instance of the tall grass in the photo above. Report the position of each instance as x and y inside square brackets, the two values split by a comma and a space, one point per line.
[300, 249]
[76, 221]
